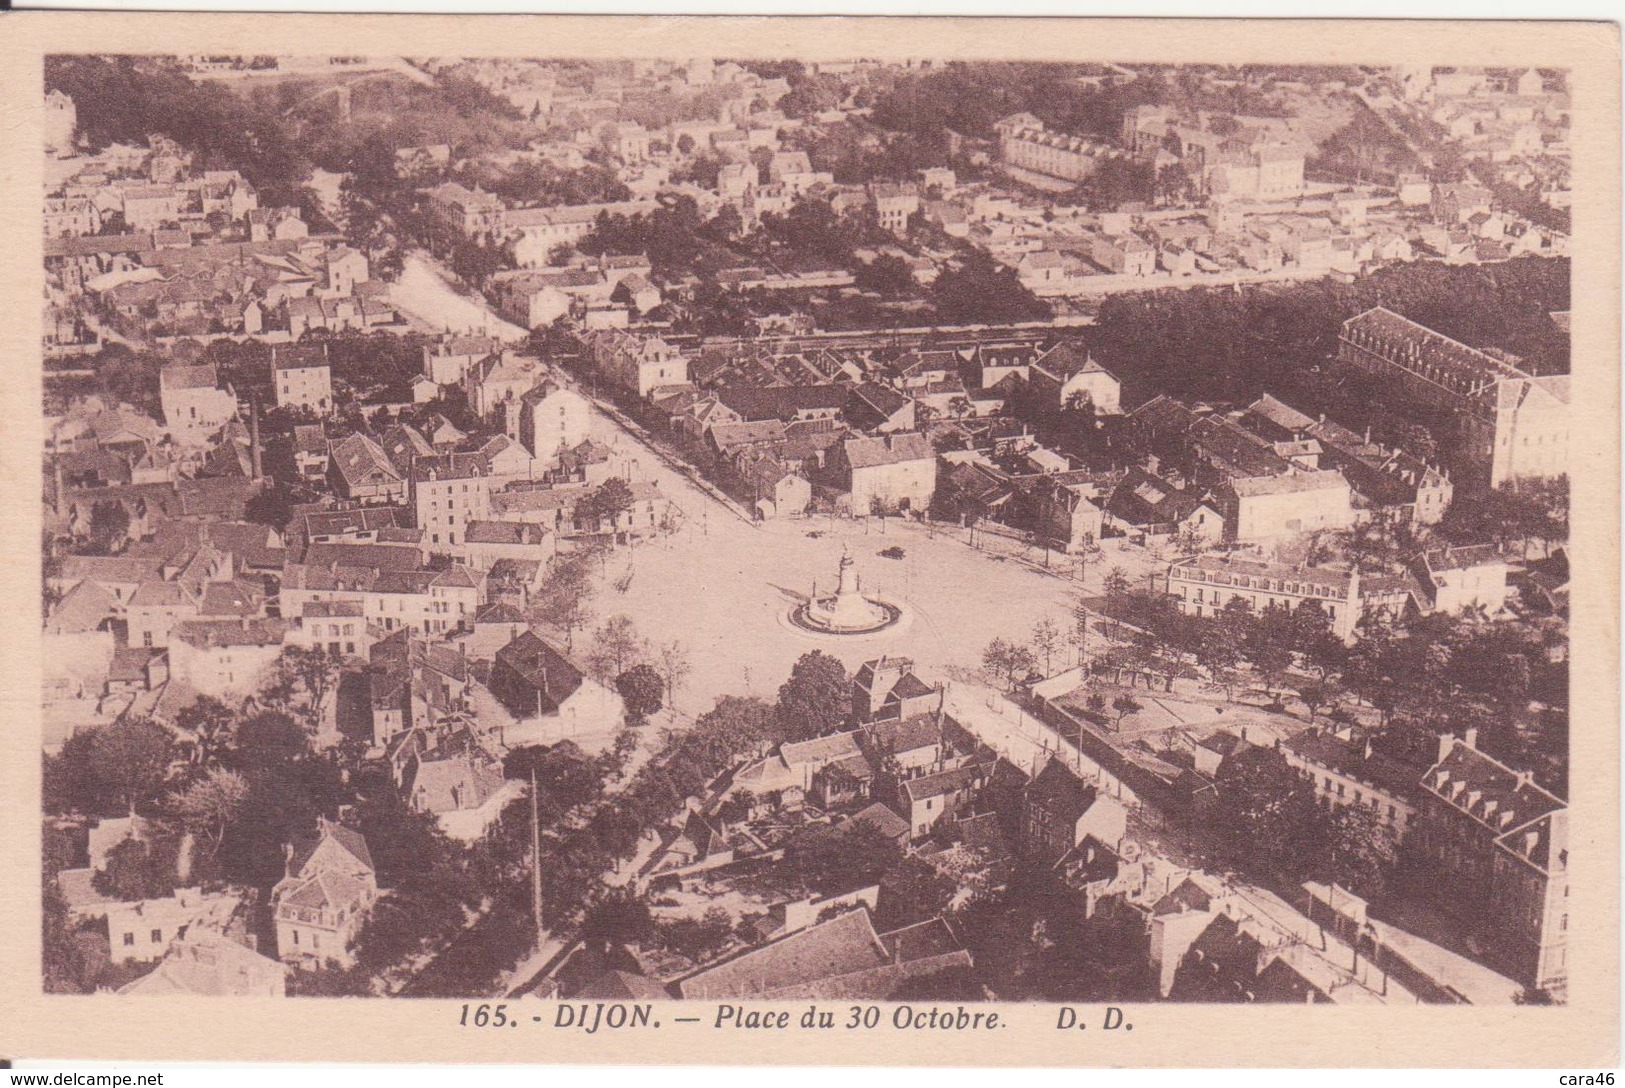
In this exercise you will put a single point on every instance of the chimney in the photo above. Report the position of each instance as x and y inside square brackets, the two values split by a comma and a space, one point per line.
[1471, 739]
[1447, 741]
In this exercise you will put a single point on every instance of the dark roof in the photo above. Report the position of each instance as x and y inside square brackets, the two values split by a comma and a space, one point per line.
[1057, 787]
[500, 612]
[888, 449]
[878, 818]
[298, 356]
[375, 556]
[504, 532]
[940, 784]
[351, 841]
[368, 519]
[1354, 759]
[1481, 788]
[614, 985]
[1452, 356]
[882, 400]
[906, 734]
[1142, 499]
[358, 458]
[540, 666]
[922, 939]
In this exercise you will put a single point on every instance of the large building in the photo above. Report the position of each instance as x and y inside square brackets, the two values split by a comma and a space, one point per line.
[448, 491]
[1203, 585]
[1499, 845]
[639, 364]
[470, 212]
[894, 472]
[194, 405]
[302, 377]
[1264, 509]
[1513, 424]
[324, 897]
[1024, 143]
[552, 420]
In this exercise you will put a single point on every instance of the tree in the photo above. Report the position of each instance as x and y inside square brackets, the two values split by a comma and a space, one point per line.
[1046, 639]
[816, 698]
[566, 779]
[330, 981]
[828, 861]
[617, 829]
[616, 646]
[1218, 650]
[1316, 694]
[674, 669]
[606, 503]
[1125, 705]
[887, 275]
[136, 869]
[312, 669]
[271, 506]
[1116, 584]
[1173, 184]
[284, 800]
[208, 805]
[1361, 851]
[1081, 618]
[980, 291]
[205, 728]
[618, 916]
[270, 739]
[130, 759]
[911, 891]
[109, 527]
[1115, 182]
[565, 599]
[1266, 811]
[1007, 661]
[697, 938]
[642, 689]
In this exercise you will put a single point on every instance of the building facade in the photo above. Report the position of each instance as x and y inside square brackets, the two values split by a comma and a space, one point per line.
[1513, 424]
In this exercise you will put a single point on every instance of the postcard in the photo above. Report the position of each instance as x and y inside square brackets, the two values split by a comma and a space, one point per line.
[870, 541]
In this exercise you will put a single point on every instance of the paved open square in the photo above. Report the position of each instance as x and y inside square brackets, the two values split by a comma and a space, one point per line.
[724, 588]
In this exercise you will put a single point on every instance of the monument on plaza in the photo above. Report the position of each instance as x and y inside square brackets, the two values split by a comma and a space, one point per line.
[848, 611]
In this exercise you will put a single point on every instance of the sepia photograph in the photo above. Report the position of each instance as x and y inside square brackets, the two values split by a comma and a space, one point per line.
[737, 528]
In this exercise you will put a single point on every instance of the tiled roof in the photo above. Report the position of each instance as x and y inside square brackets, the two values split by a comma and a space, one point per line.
[1505, 802]
[843, 944]
[1435, 348]
[940, 784]
[821, 750]
[906, 734]
[1291, 483]
[891, 449]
